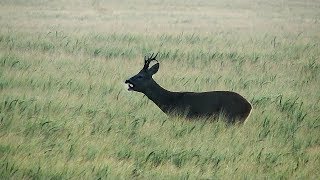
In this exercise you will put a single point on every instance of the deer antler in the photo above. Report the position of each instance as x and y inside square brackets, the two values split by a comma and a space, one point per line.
[147, 60]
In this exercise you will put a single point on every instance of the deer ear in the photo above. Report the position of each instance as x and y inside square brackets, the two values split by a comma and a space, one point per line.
[153, 69]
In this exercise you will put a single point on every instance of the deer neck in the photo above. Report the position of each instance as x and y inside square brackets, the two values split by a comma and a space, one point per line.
[159, 95]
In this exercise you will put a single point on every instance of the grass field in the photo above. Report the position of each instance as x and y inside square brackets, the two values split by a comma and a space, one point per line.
[65, 113]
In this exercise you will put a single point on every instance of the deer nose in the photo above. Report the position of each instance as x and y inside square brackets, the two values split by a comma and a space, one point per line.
[128, 81]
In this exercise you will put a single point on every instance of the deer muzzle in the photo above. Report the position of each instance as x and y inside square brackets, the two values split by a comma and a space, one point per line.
[130, 85]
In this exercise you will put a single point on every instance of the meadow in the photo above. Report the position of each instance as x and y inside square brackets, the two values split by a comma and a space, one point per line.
[65, 112]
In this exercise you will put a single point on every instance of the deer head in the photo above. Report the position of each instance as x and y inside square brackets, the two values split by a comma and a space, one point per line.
[141, 81]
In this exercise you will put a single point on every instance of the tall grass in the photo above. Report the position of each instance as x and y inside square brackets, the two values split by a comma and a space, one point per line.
[64, 111]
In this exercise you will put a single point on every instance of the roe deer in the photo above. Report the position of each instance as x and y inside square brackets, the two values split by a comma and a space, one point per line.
[190, 104]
